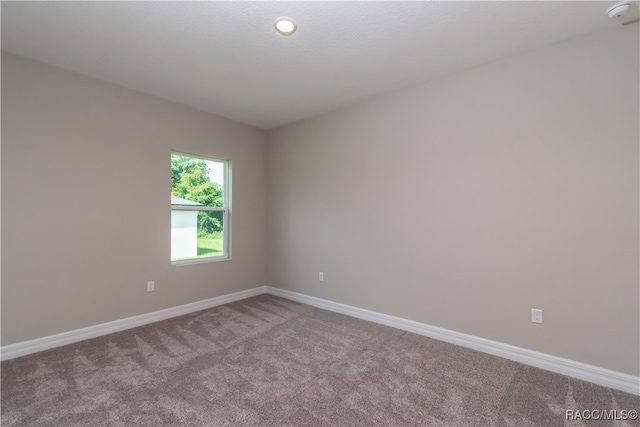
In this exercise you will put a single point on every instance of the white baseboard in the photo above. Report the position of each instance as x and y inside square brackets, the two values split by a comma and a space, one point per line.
[33, 346]
[594, 374]
[601, 376]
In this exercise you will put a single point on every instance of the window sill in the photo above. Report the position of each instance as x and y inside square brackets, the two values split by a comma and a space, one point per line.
[199, 260]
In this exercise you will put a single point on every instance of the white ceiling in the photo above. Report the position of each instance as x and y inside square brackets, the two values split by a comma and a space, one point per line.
[227, 59]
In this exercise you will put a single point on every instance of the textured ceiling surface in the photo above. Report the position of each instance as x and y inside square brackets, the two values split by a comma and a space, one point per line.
[226, 58]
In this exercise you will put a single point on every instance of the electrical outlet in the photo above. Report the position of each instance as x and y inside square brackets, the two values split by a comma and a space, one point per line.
[536, 315]
[151, 286]
[321, 276]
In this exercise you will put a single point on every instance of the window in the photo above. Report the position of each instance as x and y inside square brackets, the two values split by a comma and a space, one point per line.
[200, 214]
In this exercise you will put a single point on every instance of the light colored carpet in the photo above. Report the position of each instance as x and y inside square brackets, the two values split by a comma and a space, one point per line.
[269, 361]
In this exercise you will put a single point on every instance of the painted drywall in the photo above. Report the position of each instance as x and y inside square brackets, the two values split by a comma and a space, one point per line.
[466, 202]
[86, 217]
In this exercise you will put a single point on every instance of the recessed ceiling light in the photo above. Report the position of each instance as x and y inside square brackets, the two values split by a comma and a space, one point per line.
[285, 26]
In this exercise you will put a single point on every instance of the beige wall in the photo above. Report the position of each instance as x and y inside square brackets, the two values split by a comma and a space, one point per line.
[468, 201]
[85, 202]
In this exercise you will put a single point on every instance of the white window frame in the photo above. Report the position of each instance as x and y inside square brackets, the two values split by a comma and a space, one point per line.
[226, 223]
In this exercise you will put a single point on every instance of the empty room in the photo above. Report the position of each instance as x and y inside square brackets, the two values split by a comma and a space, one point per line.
[320, 213]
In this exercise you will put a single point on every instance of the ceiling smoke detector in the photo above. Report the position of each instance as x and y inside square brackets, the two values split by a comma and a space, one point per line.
[618, 9]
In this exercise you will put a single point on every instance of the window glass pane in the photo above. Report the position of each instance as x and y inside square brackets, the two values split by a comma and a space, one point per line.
[196, 234]
[198, 181]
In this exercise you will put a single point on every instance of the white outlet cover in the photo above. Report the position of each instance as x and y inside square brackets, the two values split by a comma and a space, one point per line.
[536, 315]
